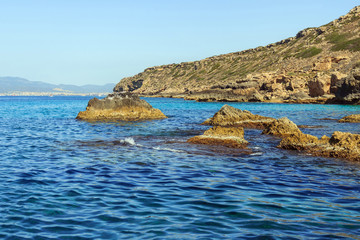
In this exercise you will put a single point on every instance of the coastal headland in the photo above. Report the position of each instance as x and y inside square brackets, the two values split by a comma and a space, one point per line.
[318, 65]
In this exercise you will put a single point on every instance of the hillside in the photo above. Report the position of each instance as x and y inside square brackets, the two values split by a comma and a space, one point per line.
[317, 65]
[16, 85]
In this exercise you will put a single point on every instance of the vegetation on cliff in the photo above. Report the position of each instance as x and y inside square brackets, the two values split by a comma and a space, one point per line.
[309, 67]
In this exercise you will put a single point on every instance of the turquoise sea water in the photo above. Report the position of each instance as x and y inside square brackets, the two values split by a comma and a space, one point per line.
[66, 179]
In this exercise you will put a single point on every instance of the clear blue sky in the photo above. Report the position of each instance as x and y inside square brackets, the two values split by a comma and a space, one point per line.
[101, 41]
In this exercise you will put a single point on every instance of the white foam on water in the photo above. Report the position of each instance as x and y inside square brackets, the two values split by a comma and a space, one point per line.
[256, 154]
[129, 141]
[168, 149]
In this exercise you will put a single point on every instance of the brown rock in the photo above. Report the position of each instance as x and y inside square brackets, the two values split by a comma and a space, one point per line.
[298, 141]
[230, 116]
[226, 136]
[323, 65]
[335, 78]
[320, 85]
[281, 127]
[354, 118]
[348, 89]
[121, 107]
[340, 145]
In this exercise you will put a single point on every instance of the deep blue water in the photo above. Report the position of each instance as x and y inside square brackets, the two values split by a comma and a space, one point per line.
[66, 179]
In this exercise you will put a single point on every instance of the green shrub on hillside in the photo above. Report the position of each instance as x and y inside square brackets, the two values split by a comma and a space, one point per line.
[337, 38]
[341, 42]
[309, 52]
[351, 45]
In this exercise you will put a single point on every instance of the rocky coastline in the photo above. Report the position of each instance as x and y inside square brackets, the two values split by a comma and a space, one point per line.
[229, 124]
[318, 65]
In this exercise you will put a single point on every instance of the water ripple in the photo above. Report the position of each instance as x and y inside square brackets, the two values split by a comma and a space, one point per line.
[67, 179]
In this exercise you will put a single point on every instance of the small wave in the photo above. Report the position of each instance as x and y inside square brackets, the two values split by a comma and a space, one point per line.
[256, 154]
[168, 149]
[129, 141]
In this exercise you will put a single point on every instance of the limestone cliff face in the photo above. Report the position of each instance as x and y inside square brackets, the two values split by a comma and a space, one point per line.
[310, 67]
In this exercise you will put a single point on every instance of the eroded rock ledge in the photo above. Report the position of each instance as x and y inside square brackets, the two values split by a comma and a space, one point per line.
[120, 107]
[354, 118]
[230, 116]
[225, 136]
[340, 145]
[228, 130]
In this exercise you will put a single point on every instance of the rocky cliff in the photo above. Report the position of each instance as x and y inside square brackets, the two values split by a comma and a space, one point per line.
[317, 65]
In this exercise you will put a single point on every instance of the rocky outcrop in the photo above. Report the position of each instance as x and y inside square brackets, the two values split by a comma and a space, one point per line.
[281, 127]
[120, 107]
[320, 85]
[228, 130]
[312, 67]
[339, 145]
[348, 89]
[226, 136]
[230, 116]
[354, 118]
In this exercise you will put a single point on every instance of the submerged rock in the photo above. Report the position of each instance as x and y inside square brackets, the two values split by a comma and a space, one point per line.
[226, 136]
[230, 116]
[121, 107]
[354, 118]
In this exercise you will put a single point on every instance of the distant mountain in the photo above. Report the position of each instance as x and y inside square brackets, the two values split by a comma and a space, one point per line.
[16, 84]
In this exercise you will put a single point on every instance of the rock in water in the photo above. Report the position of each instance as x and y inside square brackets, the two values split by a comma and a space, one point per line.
[281, 127]
[121, 107]
[230, 116]
[340, 145]
[225, 136]
[354, 118]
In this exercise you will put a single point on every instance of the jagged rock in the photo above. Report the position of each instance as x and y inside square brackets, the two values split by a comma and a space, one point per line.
[298, 96]
[122, 107]
[249, 94]
[335, 78]
[230, 116]
[323, 65]
[354, 118]
[298, 141]
[339, 145]
[226, 136]
[320, 85]
[348, 89]
[281, 127]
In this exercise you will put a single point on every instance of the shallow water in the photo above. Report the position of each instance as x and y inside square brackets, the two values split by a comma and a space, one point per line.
[66, 179]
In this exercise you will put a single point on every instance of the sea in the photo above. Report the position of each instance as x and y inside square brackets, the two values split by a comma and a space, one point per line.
[62, 178]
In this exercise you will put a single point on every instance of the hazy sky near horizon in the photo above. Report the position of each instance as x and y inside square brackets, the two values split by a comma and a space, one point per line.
[101, 41]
